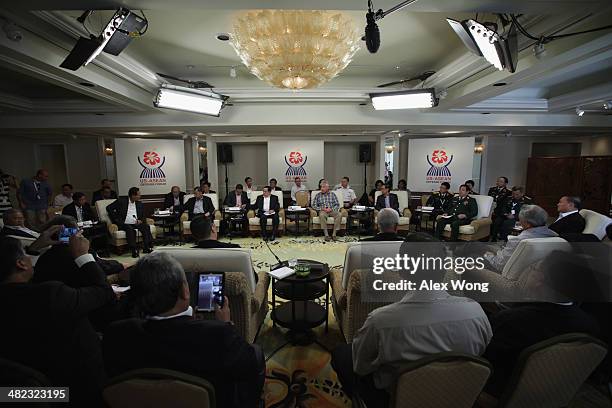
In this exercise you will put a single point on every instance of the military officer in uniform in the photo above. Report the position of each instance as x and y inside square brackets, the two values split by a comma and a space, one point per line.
[500, 194]
[511, 208]
[462, 209]
[440, 200]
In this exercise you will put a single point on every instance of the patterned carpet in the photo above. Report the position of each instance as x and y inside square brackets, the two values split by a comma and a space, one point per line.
[301, 376]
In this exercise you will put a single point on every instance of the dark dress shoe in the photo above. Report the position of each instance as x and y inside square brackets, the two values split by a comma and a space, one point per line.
[134, 253]
[147, 250]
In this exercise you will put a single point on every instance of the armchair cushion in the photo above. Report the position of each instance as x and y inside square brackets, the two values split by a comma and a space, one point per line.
[596, 223]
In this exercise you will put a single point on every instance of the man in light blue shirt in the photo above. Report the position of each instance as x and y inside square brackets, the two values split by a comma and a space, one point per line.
[35, 196]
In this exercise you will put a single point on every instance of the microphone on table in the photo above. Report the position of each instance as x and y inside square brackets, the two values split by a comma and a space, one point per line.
[277, 258]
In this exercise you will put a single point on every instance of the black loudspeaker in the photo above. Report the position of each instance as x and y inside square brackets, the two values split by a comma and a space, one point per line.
[224, 153]
[365, 153]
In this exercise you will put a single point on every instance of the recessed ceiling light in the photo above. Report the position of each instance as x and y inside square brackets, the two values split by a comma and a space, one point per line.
[500, 84]
[87, 84]
[223, 36]
[99, 114]
[190, 66]
[362, 104]
[451, 132]
[137, 133]
[485, 113]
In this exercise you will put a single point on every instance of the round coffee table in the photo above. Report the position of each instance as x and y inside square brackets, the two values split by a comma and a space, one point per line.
[301, 313]
[296, 216]
[365, 220]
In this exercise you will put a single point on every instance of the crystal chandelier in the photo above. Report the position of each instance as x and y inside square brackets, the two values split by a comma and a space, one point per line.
[295, 49]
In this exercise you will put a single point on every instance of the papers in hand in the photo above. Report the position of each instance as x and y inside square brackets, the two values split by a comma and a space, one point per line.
[270, 212]
[446, 216]
[427, 208]
[281, 273]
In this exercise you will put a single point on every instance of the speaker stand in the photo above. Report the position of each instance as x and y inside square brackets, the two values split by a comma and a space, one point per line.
[365, 177]
[226, 181]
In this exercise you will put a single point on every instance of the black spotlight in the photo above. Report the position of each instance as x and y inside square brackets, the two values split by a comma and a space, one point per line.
[372, 34]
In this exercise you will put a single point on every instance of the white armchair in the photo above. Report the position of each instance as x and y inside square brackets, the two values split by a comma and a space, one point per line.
[254, 227]
[186, 224]
[480, 227]
[118, 239]
[315, 222]
[596, 223]
[404, 211]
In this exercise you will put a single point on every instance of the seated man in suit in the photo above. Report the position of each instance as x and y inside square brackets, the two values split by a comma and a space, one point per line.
[237, 198]
[327, 205]
[503, 224]
[387, 199]
[440, 200]
[175, 200]
[14, 225]
[569, 220]
[274, 185]
[128, 215]
[104, 193]
[79, 209]
[460, 212]
[205, 186]
[199, 204]
[267, 207]
[49, 326]
[388, 220]
[533, 220]
[424, 322]
[378, 185]
[516, 328]
[169, 337]
[204, 232]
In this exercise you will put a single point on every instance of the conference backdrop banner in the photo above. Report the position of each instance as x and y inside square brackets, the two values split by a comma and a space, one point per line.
[153, 165]
[290, 158]
[433, 161]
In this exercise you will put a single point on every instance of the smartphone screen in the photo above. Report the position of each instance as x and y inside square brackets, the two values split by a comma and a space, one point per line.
[210, 291]
[65, 234]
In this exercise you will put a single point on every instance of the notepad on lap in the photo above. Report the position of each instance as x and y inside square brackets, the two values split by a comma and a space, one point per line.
[281, 273]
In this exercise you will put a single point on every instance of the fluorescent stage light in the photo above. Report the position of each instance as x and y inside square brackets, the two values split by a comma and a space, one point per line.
[462, 30]
[189, 100]
[488, 43]
[411, 99]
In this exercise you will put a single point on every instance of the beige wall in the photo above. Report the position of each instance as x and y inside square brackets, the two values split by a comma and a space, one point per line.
[601, 146]
[342, 159]
[18, 157]
[250, 159]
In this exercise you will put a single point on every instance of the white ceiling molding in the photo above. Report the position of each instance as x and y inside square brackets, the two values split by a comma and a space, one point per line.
[502, 104]
[583, 97]
[55, 105]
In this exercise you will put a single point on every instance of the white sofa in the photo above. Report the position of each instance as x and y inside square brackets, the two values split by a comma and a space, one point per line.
[405, 214]
[596, 223]
[315, 222]
[248, 300]
[480, 227]
[186, 224]
[118, 239]
[511, 283]
[254, 219]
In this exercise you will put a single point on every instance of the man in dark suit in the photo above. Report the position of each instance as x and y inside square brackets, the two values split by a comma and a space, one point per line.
[169, 336]
[199, 204]
[205, 234]
[79, 209]
[388, 220]
[267, 207]
[570, 221]
[14, 225]
[128, 215]
[387, 199]
[237, 198]
[274, 185]
[440, 200]
[511, 208]
[462, 209]
[104, 193]
[175, 200]
[205, 186]
[500, 194]
[47, 326]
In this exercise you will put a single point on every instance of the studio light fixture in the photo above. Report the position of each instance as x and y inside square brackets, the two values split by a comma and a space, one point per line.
[483, 40]
[409, 99]
[579, 111]
[190, 100]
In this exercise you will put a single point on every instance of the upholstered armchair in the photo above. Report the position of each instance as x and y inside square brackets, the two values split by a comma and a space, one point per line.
[248, 299]
[315, 222]
[404, 211]
[118, 238]
[480, 227]
[185, 223]
[254, 227]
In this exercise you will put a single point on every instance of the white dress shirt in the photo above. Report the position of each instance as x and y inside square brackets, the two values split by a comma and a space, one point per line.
[238, 200]
[79, 213]
[132, 216]
[61, 200]
[198, 208]
[421, 324]
[347, 193]
[295, 189]
[28, 231]
[249, 190]
[565, 214]
[266, 202]
[187, 312]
